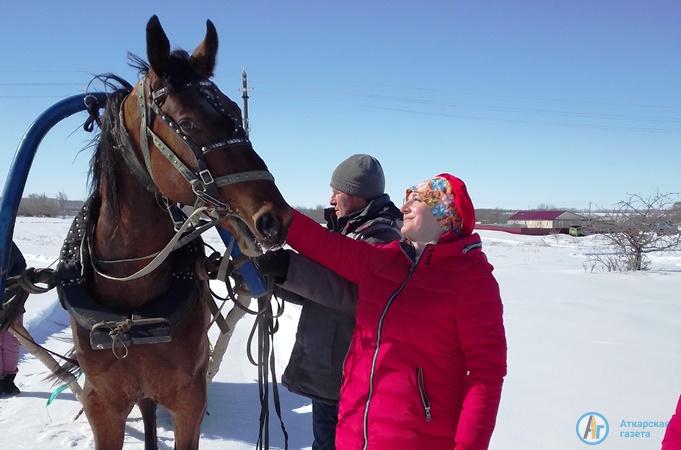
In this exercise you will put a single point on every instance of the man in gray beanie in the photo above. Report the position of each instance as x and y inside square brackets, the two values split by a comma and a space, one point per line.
[360, 209]
[360, 175]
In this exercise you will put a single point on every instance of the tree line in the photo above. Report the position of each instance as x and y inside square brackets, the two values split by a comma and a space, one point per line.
[634, 227]
[40, 205]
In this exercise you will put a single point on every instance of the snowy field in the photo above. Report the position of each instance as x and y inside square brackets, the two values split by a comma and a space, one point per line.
[578, 342]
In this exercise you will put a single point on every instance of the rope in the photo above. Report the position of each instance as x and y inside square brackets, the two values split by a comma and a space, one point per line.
[120, 328]
[92, 106]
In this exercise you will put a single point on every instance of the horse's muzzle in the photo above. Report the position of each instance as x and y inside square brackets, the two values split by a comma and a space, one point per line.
[269, 227]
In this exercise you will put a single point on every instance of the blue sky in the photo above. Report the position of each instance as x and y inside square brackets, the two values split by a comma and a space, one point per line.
[529, 102]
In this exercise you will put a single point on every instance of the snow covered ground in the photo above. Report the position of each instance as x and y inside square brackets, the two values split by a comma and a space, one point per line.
[578, 342]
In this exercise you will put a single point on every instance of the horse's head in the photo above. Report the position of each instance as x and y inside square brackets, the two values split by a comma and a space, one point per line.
[193, 145]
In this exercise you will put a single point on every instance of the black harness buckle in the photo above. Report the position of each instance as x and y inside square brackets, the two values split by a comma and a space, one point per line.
[206, 177]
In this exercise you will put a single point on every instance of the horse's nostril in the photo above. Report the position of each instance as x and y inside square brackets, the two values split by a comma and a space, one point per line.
[268, 225]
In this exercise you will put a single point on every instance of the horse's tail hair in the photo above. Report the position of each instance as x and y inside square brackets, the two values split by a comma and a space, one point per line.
[65, 370]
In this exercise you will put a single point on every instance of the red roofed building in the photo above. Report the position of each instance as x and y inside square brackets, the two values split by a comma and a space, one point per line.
[556, 220]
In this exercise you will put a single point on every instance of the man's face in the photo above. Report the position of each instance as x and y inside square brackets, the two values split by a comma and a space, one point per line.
[345, 204]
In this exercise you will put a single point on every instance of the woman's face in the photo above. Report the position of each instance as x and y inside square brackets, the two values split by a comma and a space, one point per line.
[420, 225]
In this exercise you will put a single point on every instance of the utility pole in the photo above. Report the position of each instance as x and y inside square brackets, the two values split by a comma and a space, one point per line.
[244, 96]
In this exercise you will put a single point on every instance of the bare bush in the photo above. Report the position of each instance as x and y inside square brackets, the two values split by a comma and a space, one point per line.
[637, 227]
[62, 201]
[608, 263]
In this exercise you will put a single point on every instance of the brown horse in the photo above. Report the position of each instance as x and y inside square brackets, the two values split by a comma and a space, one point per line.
[174, 138]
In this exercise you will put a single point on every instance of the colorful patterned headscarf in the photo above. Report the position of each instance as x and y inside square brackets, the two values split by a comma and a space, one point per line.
[437, 193]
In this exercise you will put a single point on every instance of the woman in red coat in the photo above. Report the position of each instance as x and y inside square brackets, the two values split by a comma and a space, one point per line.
[672, 437]
[428, 354]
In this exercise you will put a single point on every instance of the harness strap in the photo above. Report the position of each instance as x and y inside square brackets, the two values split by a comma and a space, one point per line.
[223, 144]
[157, 261]
[216, 312]
[241, 177]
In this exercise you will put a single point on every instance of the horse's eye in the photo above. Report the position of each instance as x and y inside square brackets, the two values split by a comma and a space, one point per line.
[186, 125]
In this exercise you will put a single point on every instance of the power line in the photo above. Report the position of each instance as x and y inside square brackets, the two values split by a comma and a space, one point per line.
[494, 108]
[530, 98]
[40, 83]
[528, 122]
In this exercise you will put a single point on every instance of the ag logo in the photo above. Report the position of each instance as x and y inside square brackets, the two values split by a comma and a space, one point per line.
[592, 428]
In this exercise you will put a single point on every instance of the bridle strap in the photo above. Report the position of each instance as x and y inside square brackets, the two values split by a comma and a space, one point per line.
[181, 167]
[144, 125]
[204, 184]
[127, 151]
[241, 177]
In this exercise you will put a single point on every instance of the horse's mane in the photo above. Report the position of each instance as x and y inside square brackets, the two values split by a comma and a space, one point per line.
[180, 70]
[103, 160]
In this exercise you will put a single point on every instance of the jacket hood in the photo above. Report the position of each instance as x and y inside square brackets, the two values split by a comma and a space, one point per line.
[462, 203]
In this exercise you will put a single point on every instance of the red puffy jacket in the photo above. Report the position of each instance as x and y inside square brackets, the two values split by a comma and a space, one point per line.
[428, 354]
[672, 437]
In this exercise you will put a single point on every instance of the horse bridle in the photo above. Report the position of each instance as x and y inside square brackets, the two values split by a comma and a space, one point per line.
[204, 184]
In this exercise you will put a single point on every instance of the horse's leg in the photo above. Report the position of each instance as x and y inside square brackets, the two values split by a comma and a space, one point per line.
[188, 415]
[106, 415]
[148, 408]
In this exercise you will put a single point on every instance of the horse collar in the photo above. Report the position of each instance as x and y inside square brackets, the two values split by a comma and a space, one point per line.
[148, 324]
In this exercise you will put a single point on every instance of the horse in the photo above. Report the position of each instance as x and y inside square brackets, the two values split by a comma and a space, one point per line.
[173, 138]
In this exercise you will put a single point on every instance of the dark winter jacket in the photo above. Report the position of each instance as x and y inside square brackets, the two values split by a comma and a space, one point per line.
[327, 317]
[17, 263]
[428, 354]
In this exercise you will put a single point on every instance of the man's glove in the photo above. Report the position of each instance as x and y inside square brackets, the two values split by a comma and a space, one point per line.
[274, 264]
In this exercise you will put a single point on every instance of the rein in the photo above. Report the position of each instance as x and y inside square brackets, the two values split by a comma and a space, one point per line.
[266, 324]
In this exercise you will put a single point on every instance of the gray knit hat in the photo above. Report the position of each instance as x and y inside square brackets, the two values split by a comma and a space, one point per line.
[359, 175]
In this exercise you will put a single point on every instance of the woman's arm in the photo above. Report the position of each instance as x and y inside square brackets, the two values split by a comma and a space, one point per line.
[482, 337]
[347, 257]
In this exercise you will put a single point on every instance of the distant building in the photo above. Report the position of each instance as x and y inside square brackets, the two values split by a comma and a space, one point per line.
[556, 220]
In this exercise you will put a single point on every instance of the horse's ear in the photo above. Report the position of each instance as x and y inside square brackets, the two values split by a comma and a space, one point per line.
[158, 47]
[203, 58]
